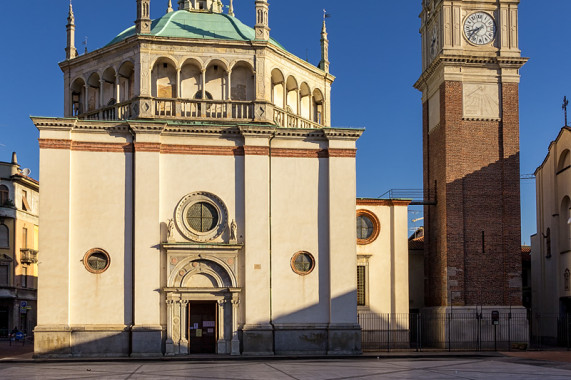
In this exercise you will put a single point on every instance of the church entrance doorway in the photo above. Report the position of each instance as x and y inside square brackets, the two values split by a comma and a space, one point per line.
[202, 327]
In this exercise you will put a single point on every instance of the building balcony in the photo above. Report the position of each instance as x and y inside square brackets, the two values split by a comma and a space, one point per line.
[28, 256]
[200, 110]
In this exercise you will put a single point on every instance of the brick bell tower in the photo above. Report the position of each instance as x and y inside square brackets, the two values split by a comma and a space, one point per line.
[471, 61]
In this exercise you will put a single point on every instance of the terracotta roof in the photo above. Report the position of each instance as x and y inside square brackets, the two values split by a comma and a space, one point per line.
[26, 177]
[416, 244]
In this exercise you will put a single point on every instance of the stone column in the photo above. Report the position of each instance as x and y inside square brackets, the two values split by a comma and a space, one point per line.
[203, 79]
[203, 104]
[221, 328]
[183, 347]
[235, 338]
[170, 343]
[118, 88]
[311, 110]
[229, 95]
[85, 105]
[178, 84]
[101, 93]
[176, 327]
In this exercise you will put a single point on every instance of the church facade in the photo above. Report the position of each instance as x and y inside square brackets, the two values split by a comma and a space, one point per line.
[195, 198]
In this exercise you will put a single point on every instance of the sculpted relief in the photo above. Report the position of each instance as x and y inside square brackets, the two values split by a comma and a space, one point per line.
[481, 100]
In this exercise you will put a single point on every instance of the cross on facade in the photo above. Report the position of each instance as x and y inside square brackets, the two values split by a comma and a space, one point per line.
[564, 107]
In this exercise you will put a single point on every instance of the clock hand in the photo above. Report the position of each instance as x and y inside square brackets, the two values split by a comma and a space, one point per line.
[474, 31]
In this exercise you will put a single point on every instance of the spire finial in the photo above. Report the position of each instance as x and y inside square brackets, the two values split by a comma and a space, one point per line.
[70, 51]
[262, 20]
[324, 64]
[169, 7]
[231, 9]
[143, 22]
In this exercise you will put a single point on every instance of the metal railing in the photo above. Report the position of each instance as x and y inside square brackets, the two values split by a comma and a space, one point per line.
[445, 331]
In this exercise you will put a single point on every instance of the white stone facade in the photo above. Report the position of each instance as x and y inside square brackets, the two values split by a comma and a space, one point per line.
[195, 199]
[551, 245]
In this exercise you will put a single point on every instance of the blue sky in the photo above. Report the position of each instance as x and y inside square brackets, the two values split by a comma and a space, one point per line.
[374, 53]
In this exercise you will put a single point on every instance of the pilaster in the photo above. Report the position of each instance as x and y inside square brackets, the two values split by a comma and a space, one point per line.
[257, 335]
[147, 279]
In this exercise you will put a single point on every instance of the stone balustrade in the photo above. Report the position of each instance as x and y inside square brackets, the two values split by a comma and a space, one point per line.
[199, 109]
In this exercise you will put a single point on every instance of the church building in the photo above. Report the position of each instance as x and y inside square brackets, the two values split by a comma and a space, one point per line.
[195, 198]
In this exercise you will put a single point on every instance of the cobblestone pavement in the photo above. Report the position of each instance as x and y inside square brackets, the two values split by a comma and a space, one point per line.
[330, 369]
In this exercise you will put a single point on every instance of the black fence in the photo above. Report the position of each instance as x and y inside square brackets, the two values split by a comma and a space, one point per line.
[477, 331]
[549, 330]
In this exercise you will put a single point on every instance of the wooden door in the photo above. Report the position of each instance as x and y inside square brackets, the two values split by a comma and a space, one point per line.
[202, 327]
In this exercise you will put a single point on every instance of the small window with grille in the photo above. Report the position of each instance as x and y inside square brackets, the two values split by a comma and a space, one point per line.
[566, 279]
[361, 285]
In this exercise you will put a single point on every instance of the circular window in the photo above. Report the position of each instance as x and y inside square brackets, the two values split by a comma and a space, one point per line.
[96, 260]
[201, 217]
[302, 263]
[368, 227]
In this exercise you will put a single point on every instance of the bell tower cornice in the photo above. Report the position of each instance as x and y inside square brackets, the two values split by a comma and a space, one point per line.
[458, 36]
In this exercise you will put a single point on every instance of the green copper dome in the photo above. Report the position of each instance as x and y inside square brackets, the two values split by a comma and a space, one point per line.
[197, 25]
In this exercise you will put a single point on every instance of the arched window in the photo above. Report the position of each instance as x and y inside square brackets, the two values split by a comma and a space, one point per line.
[547, 237]
[564, 161]
[565, 226]
[4, 195]
[4, 236]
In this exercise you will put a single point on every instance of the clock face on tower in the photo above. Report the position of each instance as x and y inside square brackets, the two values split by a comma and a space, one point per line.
[480, 28]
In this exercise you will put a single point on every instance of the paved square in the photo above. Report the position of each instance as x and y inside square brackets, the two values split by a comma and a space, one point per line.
[332, 369]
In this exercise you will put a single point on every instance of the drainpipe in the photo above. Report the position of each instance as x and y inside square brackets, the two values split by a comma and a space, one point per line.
[270, 238]
[132, 241]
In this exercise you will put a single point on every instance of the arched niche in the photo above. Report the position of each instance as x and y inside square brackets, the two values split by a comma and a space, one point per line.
[278, 83]
[126, 81]
[216, 77]
[292, 95]
[318, 106]
[109, 77]
[242, 82]
[93, 92]
[305, 101]
[190, 79]
[77, 97]
[163, 79]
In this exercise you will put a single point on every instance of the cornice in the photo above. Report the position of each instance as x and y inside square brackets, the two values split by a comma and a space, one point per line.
[262, 130]
[461, 60]
[382, 202]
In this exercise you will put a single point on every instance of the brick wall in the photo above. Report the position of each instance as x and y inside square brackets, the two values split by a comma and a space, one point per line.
[472, 244]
